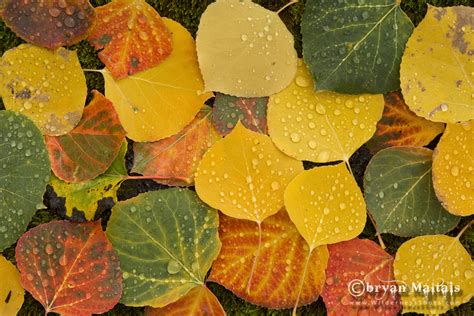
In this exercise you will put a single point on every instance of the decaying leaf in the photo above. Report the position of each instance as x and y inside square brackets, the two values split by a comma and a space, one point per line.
[159, 102]
[400, 196]
[11, 291]
[174, 160]
[279, 267]
[453, 168]
[24, 173]
[90, 148]
[244, 49]
[323, 126]
[429, 266]
[70, 268]
[51, 23]
[355, 46]
[47, 86]
[353, 265]
[132, 37]
[228, 110]
[166, 241]
[436, 71]
[401, 127]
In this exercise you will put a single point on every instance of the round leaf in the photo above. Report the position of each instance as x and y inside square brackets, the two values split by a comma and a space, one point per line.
[166, 241]
[453, 169]
[326, 205]
[11, 291]
[244, 49]
[24, 173]
[355, 46]
[321, 127]
[244, 175]
[400, 195]
[436, 72]
[47, 86]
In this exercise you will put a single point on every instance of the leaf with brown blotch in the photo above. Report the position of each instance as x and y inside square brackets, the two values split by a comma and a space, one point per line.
[70, 268]
[353, 266]
[278, 270]
[401, 127]
[50, 23]
[90, 148]
[132, 37]
[200, 301]
[174, 160]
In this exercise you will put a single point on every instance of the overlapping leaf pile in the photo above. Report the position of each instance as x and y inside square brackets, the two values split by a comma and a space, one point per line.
[241, 209]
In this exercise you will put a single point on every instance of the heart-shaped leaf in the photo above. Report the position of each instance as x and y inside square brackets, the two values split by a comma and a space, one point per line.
[11, 291]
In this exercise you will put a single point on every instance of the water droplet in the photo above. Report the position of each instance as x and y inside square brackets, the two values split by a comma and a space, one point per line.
[244, 37]
[455, 171]
[63, 260]
[444, 107]
[49, 249]
[275, 185]
[173, 267]
[295, 137]
[302, 81]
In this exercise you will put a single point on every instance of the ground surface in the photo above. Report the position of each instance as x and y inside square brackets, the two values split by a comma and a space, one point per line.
[188, 12]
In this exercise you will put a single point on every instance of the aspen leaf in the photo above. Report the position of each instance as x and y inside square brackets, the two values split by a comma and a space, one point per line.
[244, 49]
[352, 265]
[436, 71]
[90, 148]
[431, 261]
[278, 268]
[11, 291]
[453, 168]
[166, 241]
[355, 46]
[174, 160]
[400, 196]
[70, 268]
[401, 127]
[244, 175]
[326, 205]
[131, 35]
[161, 101]
[324, 126]
[51, 23]
[47, 86]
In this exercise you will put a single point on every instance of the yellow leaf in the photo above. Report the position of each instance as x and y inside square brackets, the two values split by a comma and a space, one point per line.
[48, 86]
[431, 261]
[11, 291]
[244, 175]
[244, 49]
[323, 126]
[453, 169]
[437, 72]
[161, 101]
[326, 205]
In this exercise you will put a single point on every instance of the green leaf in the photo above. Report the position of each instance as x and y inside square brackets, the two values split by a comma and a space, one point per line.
[85, 196]
[399, 193]
[24, 173]
[355, 46]
[166, 241]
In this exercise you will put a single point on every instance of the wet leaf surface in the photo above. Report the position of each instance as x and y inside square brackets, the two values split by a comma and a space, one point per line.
[11, 291]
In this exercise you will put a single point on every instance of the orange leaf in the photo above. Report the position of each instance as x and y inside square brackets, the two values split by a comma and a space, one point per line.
[353, 266]
[200, 301]
[401, 127]
[278, 270]
[132, 37]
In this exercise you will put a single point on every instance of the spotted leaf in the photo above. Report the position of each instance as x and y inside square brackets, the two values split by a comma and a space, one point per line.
[11, 291]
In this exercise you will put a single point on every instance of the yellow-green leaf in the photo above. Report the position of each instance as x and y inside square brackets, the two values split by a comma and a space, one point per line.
[11, 291]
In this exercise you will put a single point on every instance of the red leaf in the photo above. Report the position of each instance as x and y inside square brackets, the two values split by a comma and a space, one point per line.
[356, 262]
[70, 268]
[90, 148]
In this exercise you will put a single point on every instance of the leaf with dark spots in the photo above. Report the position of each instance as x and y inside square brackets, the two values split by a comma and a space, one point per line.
[70, 268]
[11, 292]
[51, 23]
[89, 149]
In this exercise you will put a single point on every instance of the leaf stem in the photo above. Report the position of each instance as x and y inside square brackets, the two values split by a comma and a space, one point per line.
[257, 253]
[93, 70]
[305, 269]
[377, 233]
[464, 229]
[155, 178]
[349, 167]
[287, 5]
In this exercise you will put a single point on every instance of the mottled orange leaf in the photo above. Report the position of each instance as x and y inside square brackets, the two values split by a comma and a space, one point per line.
[353, 267]
[90, 148]
[49, 23]
[279, 268]
[401, 127]
[70, 268]
[174, 160]
[200, 301]
[131, 35]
